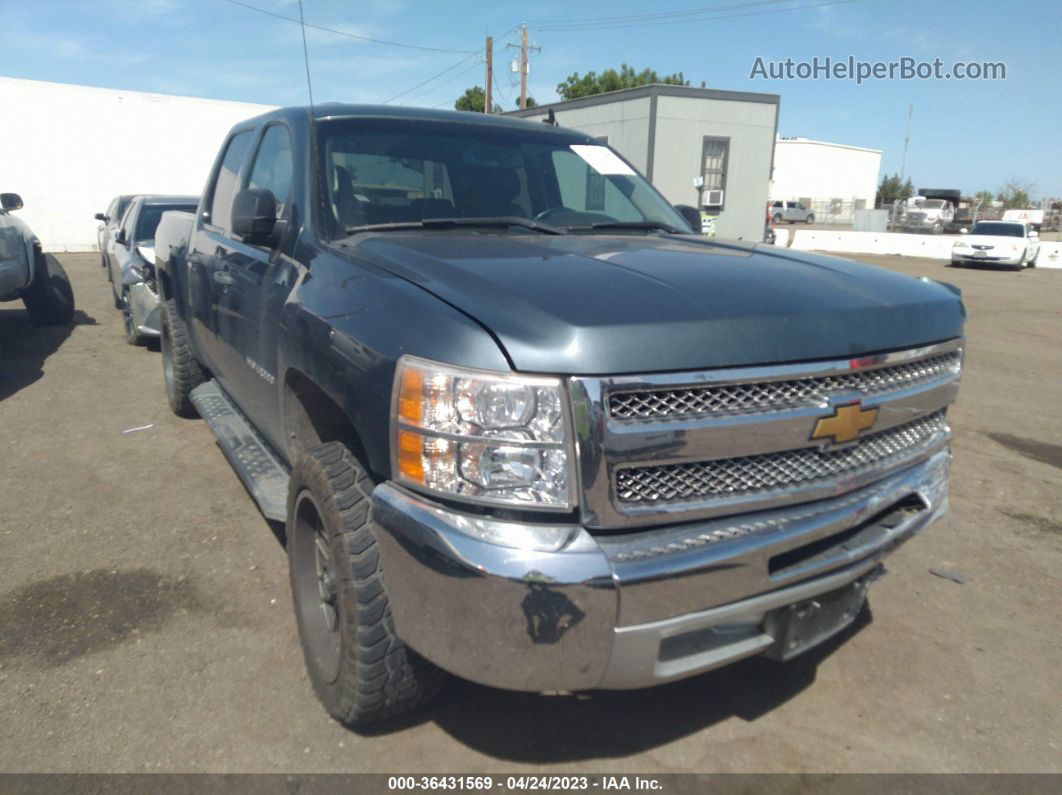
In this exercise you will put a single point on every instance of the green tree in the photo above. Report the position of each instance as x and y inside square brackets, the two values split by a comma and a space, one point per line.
[474, 99]
[892, 190]
[610, 80]
[530, 101]
[985, 196]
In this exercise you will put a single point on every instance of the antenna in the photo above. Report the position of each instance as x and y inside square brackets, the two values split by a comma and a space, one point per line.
[306, 57]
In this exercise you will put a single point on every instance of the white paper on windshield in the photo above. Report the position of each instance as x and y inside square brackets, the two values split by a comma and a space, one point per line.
[602, 159]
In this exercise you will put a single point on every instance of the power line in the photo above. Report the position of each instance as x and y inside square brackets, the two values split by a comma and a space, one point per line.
[445, 71]
[343, 32]
[704, 15]
[655, 15]
[432, 78]
[407, 100]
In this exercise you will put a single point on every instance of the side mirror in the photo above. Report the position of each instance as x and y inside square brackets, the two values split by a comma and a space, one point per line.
[100, 217]
[10, 201]
[963, 231]
[254, 215]
[692, 216]
[120, 238]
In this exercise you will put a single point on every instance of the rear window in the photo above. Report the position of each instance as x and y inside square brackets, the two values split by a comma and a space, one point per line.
[151, 214]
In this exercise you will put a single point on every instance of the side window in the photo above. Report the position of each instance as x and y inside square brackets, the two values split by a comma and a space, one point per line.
[273, 165]
[584, 189]
[225, 184]
[111, 211]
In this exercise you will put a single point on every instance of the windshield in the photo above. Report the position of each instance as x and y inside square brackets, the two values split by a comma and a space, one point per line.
[998, 229]
[151, 214]
[397, 171]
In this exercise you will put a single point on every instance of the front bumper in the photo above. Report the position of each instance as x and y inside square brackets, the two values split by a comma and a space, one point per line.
[634, 610]
[988, 259]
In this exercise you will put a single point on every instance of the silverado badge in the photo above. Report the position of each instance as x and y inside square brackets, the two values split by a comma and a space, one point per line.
[846, 424]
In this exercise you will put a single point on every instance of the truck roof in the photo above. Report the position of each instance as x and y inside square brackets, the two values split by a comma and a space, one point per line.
[340, 110]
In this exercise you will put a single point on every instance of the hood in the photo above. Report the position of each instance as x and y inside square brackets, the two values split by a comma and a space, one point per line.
[146, 249]
[592, 304]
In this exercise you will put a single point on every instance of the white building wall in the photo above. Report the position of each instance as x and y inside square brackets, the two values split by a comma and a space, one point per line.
[823, 171]
[682, 124]
[68, 150]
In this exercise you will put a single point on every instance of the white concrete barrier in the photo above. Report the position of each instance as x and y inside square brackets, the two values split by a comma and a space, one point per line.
[781, 237]
[907, 245]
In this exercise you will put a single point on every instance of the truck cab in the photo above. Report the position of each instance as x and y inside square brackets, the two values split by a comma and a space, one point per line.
[522, 425]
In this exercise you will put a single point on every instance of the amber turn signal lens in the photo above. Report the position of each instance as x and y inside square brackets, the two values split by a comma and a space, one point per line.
[411, 395]
[410, 455]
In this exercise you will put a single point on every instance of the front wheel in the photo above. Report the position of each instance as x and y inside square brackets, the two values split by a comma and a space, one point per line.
[50, 298]
[810, 219]
[180, 368]
[1032, 263]
[359, 668]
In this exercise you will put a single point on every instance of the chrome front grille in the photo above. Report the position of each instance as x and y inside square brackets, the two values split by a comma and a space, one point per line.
[767, 396]
[746, 475]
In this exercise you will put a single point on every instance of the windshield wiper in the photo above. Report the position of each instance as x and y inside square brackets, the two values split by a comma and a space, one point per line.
[646, 225]
[451, 223]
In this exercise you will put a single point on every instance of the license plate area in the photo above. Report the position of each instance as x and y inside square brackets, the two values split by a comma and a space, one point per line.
[800, 626]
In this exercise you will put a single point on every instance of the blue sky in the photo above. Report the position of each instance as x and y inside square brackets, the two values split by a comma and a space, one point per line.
[969, 134]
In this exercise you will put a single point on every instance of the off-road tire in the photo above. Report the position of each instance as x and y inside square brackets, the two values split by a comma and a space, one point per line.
[366, 674]
[181, 370]
[50, 298]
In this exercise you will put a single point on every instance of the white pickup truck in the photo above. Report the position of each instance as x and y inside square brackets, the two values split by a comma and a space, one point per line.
[27, 273]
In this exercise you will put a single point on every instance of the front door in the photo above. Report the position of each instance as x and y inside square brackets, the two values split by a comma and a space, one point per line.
[251, 283]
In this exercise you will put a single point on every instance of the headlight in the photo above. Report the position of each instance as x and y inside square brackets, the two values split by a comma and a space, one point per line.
[960, 244]
[481, 436]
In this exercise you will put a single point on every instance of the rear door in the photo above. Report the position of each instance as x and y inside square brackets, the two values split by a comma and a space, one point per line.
[251, 285]
[206, 250]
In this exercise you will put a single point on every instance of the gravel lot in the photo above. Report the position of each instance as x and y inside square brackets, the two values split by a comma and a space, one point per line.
[145, 618]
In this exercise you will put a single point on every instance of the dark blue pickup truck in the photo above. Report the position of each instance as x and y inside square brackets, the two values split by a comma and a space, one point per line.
[522, 425]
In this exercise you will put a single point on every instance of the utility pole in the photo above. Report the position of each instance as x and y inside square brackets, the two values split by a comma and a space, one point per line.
[523, 66]
[487, 106]
[523, 63]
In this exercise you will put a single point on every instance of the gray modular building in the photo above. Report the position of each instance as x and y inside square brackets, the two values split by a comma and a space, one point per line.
[678, 134]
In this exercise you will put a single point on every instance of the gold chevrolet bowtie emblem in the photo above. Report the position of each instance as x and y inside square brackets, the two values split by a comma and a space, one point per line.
[846, 423]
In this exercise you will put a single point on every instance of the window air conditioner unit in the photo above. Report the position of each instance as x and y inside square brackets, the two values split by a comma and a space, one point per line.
[713, 198]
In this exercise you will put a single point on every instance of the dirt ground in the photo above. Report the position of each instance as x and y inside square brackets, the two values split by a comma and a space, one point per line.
[145, 618]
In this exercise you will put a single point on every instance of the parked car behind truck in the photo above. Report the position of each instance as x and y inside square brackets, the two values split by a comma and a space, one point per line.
[535, 435]
[131, 264]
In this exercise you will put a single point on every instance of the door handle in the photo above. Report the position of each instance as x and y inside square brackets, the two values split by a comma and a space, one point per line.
[224, 277]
